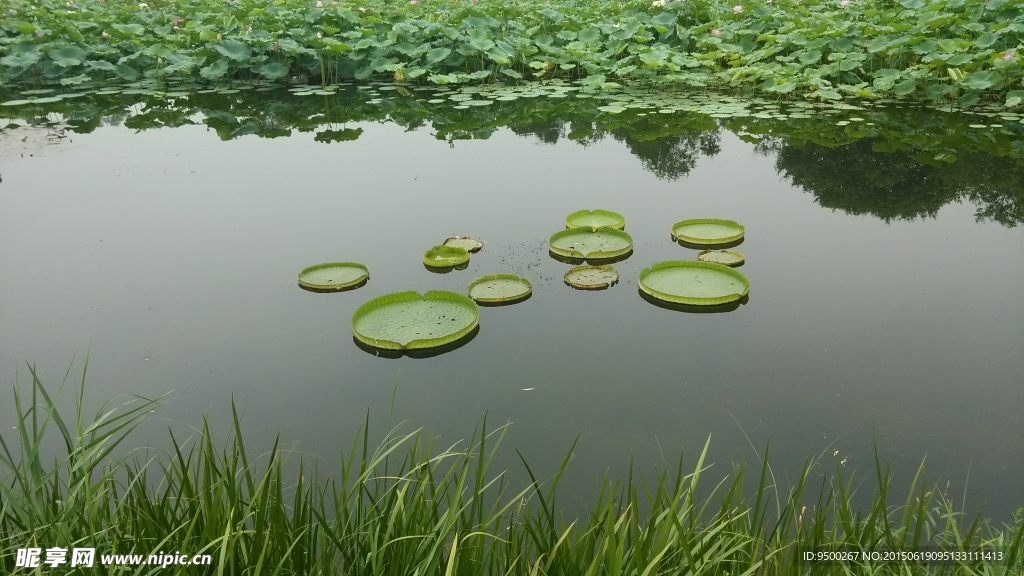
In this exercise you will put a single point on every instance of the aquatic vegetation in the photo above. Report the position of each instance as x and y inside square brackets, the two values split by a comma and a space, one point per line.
[333, 276]
[408, 321]
[694, 283]
[724, 257]
[466, 243]
[707, 231]
[595, 219]
[408, 501]
[591, 277]
[445, 257]
[922, 49]
[500, 288]
[590, 243]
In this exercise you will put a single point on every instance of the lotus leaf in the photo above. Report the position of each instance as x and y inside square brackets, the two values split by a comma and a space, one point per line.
[707, 231]
[591, 277]
[465, 242]
[445, 256]
[590, 243]
[333, 276]
[496, 288]
[724, 257]
[408, 321]
[694, 283]
[595, 219]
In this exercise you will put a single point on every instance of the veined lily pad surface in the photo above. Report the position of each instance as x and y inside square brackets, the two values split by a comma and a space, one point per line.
[695, 283]
[333, 276]
[595, 219]
[590, 243]
[724, 257]
[707, 231]
[498, 288]
[466, 243]
[591, 277]
[445, 256]
[408, 321]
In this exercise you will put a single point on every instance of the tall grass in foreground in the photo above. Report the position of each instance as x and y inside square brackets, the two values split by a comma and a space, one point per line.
[406, 507]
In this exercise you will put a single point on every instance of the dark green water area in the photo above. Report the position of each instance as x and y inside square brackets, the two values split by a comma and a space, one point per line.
[161, 231]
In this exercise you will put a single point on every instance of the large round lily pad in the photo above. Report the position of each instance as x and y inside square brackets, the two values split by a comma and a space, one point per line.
[465, 242]
[499, 288]
[445, 256]
[590, 243]
[695, 283]
[591, 277]
[408, 321]
[724, 257]
[595, 219]
[707, 231]
[333, 276]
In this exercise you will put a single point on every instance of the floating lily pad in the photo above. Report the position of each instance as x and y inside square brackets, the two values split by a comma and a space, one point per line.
[595, 219]
[707, 231]
[498, 288]
[333, 276]
[724, 257]
[591, 277]
[408, 321]
[590, 243]
[466, 243]
[445, 257]
[695, 283]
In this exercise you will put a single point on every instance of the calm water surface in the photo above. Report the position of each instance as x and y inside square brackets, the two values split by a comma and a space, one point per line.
[171, 258]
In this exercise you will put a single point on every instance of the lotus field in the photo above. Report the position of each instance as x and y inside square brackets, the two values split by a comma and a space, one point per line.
[934, 50]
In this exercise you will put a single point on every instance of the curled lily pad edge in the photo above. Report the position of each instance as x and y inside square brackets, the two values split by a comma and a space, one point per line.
[619, 225]
[332, 287]
[581, 286]
[708, 241]
[453, 256]
[740, 258]
[412, 296]
[599, 255]
[501, 276]
[692, 300]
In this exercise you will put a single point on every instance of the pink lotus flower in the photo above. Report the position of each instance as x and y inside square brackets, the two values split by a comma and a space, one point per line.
[319, 4]
[1008, 56]
[844, 3]
[737, 9]
[715, 32]
[414, 2]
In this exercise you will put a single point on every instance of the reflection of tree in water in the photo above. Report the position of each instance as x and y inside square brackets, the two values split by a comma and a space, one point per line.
[895, 186]
[666, 151]
[671, 157]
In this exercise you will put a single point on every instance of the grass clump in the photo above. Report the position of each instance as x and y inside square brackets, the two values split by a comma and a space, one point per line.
[404, 506]
[826, 49]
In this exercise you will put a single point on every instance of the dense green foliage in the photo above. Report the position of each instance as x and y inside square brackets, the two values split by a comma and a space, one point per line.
[406, 507]
[828, 49]
[894, 163]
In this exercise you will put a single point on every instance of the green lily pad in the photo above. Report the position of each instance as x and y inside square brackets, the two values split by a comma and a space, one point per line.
[408, 321]
[465, 242]
[499, 288]
[333, 276]
[707, 231]
[694, 283]
[590, 243]
[591, 277]
[595, 219]
[724, 257]
[445, 256]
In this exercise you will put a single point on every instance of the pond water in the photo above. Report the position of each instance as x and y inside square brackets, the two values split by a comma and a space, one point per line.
[885, 303]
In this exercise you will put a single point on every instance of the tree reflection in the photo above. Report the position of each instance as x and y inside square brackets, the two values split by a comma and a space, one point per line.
[857, 179]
